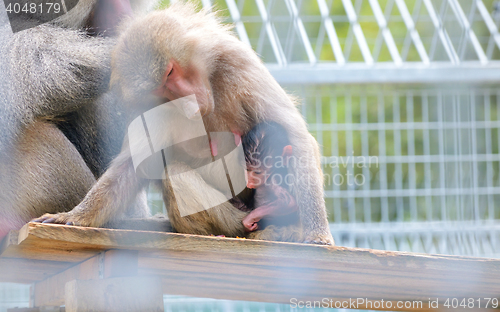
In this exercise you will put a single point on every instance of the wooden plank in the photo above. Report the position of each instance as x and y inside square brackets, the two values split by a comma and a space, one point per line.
[51, 247]
[27, 261]
[71, 239]
[121, 263]
[50, 291]
[239, 269]
[10, 240]
[46, 309]
[276, 279]
[111, 263]
[26, 271]
[51, 255]
[122, 294]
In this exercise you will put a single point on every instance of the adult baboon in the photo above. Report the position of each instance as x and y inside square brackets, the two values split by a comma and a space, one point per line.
[178, 52]
[58, 128]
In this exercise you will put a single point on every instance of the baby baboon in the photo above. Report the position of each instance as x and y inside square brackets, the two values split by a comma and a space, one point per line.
[179, 52]
[267, 154]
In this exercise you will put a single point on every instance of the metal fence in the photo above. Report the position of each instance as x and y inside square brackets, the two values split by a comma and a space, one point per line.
[424, 167]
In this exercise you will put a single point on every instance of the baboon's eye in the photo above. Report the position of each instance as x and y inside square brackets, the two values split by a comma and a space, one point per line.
[170, 73]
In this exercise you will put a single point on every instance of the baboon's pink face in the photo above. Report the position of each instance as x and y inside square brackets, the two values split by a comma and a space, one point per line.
[179, 82]
[256, 177]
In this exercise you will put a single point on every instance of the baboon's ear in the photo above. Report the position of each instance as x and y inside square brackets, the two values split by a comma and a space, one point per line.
[287, 151]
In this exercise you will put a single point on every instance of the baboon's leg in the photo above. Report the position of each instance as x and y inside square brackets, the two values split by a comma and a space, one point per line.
[44, 158]
[189, 191]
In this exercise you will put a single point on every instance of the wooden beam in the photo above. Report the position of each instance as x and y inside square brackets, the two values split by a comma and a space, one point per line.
[45, 309]
[239, 269]
[27, 271]
[275, 278]
[124, 294]
[121, 263]
[50, 291]
[10, 240]
[111, 263]
[40, 242]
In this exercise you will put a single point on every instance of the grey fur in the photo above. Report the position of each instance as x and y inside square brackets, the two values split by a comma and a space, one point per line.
[58, 128]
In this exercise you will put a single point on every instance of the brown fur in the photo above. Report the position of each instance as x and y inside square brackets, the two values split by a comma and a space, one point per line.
[244, 93]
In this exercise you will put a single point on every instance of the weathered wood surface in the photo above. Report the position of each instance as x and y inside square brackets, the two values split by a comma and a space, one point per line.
[115, 295]
[239, 269]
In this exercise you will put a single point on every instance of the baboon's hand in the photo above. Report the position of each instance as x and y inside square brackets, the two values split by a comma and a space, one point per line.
[250, 223]
[60, 218]
[319, 238]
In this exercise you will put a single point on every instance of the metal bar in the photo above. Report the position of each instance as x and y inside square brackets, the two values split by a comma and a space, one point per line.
[386, 73]
[404, 159]
[412, 185]
[348, 43]
[405, 126]
[445, 39]
[290, 36]
[236, 16]
[365, 152]
[459, 13]
[421, 227]
[331, 32]
[271, 32]
[410, 24]
[407, 42]
[299, 26]
[489, 164]
[427, 153]
[358, 32]
[351, 204]
[241, 4]
[320, 41]
[387, 193]
[473, 131]
[386, 33]
[383, 167]
[442, 164]
[373, 90]
[490, 24]
[498, 118]
[207, 4]
[457, 149]
[380, 38]
[398, 174]
[319, 131]
[337, 203]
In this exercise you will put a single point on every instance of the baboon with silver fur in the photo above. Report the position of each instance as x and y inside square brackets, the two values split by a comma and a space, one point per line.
[59, 129]
[178, 52]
